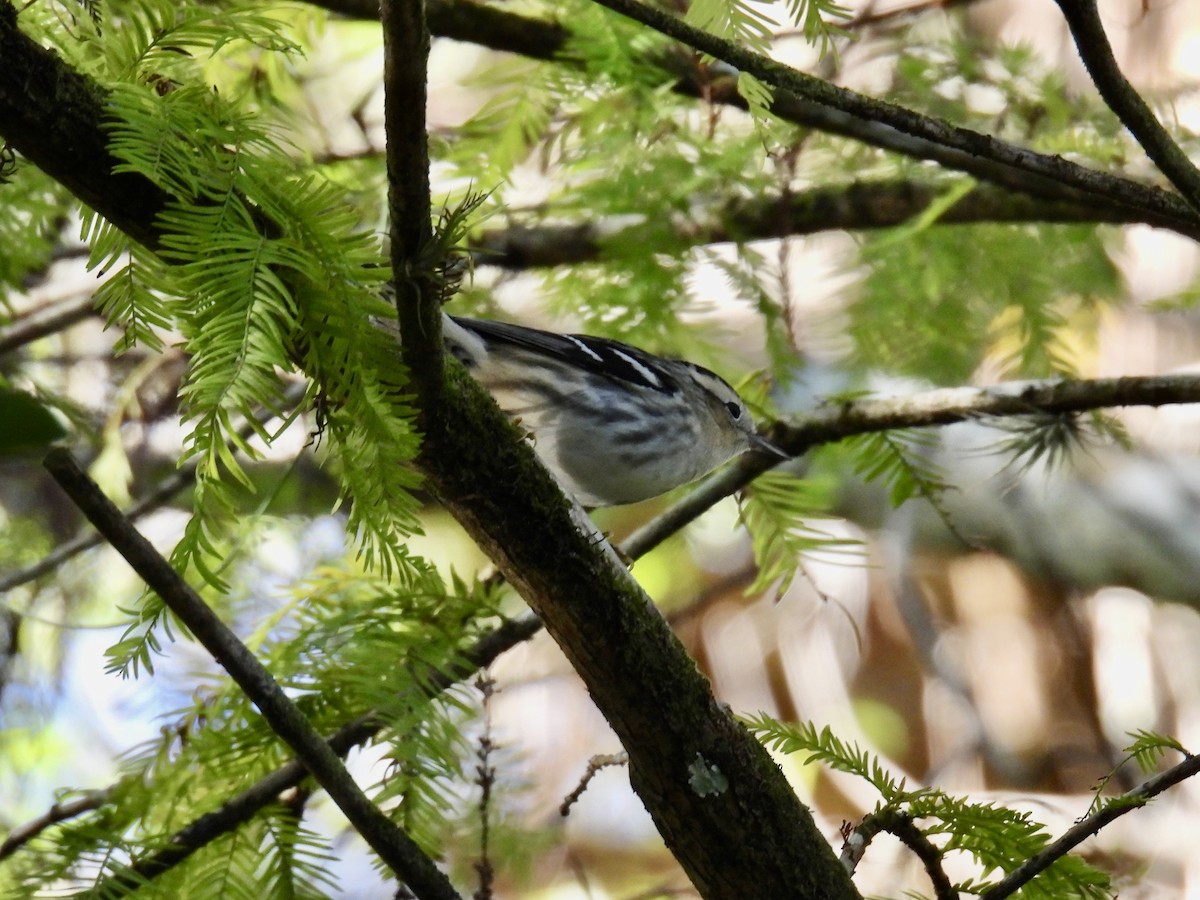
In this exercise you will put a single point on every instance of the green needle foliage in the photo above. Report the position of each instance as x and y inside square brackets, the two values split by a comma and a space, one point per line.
[268, 275]
[996, 837]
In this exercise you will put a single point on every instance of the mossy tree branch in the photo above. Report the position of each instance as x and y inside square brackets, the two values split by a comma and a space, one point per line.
[405, 60]
[858, 206]
[54, 117]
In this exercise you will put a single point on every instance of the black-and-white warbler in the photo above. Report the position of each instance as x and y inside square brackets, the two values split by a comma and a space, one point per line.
[613, 423]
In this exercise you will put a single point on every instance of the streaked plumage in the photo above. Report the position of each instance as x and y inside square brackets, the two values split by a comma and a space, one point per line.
[613, 423]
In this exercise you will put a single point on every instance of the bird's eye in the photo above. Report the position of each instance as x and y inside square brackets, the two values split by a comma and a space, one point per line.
[735, 411]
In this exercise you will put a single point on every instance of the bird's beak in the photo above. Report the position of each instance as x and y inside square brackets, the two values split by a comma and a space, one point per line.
[762, 445]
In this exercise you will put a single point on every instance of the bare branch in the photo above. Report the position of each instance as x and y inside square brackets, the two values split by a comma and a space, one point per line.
[595, 764]
[836, 420]
[47, 320]
[394, 847]
[1083, 18]
[59, 812]
[966, 148]
[858, 206]
[1085, 828]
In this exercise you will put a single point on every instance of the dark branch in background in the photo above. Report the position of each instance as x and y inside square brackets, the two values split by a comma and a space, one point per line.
[59, 812]
[1083, 18]
[161, 494]
[871, 122]
[856, 206]
[46, 320]
[405, 56]
[1078, 833]
[475, 23]
[394, 847]
[970, 144]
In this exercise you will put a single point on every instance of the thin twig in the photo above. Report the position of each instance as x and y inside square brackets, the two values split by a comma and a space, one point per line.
[59, 812]
[1083, 18]
[1085, 828]
[394, 847]
[900, 824]
[485, 777]
[595, 764]
[160, 494]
